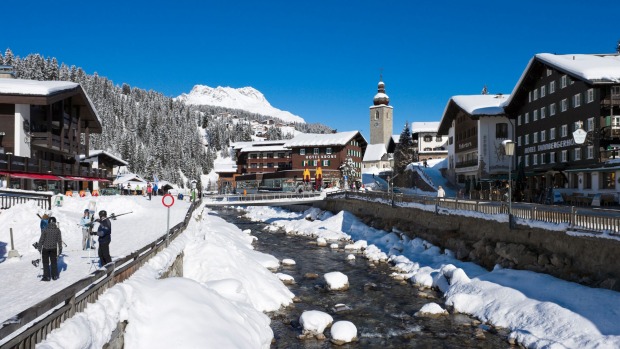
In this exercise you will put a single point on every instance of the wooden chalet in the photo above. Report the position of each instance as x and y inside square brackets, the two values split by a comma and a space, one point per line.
[45, 127]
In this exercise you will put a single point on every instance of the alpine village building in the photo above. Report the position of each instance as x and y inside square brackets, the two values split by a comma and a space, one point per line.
[45, 127]
[557, 101]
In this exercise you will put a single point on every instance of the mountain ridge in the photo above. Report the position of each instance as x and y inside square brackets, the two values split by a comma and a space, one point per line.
[244, 98]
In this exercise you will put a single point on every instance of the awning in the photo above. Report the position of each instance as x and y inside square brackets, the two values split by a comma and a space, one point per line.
[31, 176]
[84, 179]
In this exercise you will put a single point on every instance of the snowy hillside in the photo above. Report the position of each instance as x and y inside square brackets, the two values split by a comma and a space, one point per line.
[245, 98]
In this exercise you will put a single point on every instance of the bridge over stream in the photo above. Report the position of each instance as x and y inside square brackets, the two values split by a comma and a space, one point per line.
[264, 199]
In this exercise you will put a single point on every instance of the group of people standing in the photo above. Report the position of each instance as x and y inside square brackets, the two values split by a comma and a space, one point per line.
[50, 243]
[148, 190]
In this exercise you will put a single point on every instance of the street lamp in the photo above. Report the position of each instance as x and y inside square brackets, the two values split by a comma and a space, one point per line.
[509, 149]
[391, 184]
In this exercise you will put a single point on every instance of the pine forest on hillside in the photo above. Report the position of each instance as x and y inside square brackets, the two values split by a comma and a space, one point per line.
[154, 133]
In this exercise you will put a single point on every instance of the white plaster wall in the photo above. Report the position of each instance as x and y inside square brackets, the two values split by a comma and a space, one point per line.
[22, 137]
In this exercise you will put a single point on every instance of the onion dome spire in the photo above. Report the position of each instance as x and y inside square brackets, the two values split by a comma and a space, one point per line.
[381, 97]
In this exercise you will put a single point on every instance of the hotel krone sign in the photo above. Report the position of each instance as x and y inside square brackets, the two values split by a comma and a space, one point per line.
[320, 157]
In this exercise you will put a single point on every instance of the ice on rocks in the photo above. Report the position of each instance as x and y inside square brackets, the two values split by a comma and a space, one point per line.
[350, 257]
[288, 262]
[285, 278]
[321, 242]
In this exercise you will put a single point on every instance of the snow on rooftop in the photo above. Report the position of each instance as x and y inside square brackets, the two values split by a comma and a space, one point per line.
[253, 148]
[374, 152]
[314, 139]
[595, 68]
[417, 127]
[34, 87]
[481, 104]
[94, 153]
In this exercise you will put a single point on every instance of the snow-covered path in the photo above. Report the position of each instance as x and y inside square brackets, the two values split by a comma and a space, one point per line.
[20, 285]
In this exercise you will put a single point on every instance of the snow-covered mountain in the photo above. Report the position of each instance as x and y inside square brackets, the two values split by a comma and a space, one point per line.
[245, 98]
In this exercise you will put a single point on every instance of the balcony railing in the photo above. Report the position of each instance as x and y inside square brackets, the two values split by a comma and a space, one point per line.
[23, 164]
[467, 163]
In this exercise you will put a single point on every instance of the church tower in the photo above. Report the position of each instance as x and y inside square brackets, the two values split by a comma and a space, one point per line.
[381, 117]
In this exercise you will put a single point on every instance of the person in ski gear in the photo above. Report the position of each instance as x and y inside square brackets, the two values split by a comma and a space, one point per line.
[44, 221]
[440, 192]
[50, 246]
[149, 190]
[104, 231]
[86, 224]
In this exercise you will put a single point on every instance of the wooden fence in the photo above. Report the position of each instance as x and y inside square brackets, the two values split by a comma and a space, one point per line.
[10, 198]
[77, 296]
[581, 219]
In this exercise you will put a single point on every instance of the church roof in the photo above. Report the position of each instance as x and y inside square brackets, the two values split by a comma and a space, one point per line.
[374, 152]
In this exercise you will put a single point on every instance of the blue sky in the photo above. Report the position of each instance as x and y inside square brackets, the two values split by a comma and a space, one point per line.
[320, 60]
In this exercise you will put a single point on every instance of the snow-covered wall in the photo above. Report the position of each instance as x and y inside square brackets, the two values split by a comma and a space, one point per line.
[22, 130]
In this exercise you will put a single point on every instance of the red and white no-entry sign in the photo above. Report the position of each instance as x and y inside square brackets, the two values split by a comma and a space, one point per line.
[167, 200]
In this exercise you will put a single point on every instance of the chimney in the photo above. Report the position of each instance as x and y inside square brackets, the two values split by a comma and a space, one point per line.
[6, 72]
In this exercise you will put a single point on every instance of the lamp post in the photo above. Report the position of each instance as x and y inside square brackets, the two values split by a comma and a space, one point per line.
[391, 184]
[509, 149]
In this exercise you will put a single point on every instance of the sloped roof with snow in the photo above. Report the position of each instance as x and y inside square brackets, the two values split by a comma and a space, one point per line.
[426, 126]
[374, 152]
[592, 68]
[241, 145]
[254, 148]
[314, 139]
[34, 87]
[481, 104]
[96, 153]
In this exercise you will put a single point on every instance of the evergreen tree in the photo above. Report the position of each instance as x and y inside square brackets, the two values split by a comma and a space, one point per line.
[403, 156]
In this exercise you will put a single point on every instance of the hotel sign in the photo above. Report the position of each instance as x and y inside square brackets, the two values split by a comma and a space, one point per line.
[549, 146]
[465, 145]
[320, 157]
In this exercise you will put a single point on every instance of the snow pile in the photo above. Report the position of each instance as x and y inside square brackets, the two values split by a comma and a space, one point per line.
[431, 309]
[288, 262]
[285, 278]
[218, 303]
[343, 332]
[336, 281]
[314, 322]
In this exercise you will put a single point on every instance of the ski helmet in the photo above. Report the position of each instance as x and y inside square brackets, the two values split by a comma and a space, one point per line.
[103, 213]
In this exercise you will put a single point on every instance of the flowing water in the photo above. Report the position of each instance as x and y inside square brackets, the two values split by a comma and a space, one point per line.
[381, 308]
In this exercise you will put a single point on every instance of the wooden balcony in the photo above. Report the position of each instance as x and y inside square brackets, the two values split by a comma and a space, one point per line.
[29, 165]
[50, 141]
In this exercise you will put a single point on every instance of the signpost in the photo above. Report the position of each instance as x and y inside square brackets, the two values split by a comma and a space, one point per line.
[167, 200]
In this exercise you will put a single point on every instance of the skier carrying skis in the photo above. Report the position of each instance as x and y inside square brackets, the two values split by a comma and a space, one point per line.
[50, 246]
[104, 231]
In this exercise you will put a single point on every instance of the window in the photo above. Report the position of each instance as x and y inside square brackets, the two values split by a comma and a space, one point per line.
[281, 155]
[563, 81]
[535, 94]
[535, 115]
[428, 138]
[529, 96]
[269, 155]
[304, 163]
[549, 71]
[316, 151]
[518, 159]
[325, 163]
[315, 163]
[253, 156]
[519, 141]
[564, 155]
[527, 118]
[542, 158]
[552, 157]
[608, 180]
[543, 136]
[590, 124]
[552, 109]
[302, 151]
[543, 91]
[552, 133]
[564, 131]
[551, 87]
[577, 154]
[254, 165]
[527, 160]
[527, 139]
[590, 95]
[328, 151]
[519, 120]
[564, 105]
[501, 130]
[534, 159]
[270, 164]
[590, 152]
[438, 139]
[543, 112]
[377, 115]
[577, 100]
[535, 138]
